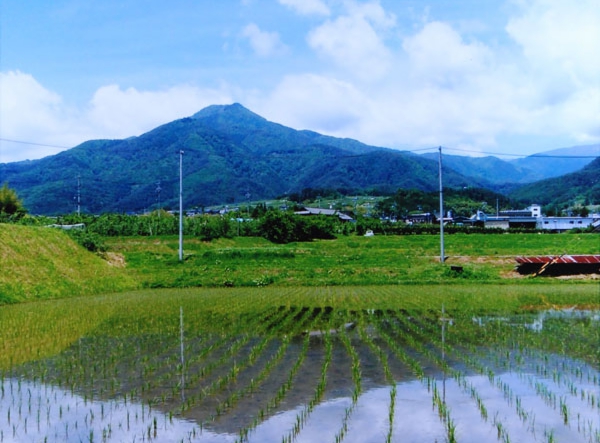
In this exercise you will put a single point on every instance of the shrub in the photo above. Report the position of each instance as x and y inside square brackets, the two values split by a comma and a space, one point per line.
[89, 240]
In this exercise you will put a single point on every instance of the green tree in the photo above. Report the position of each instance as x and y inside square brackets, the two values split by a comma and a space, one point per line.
[279, 227]
[10, 204]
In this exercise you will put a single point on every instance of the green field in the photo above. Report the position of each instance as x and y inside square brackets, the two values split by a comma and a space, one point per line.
[352, 260]
[355, 339]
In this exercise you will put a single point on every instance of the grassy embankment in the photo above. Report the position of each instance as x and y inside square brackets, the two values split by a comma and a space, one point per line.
[44, 263]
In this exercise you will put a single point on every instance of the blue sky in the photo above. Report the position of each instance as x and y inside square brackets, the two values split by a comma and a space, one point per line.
[500, 76]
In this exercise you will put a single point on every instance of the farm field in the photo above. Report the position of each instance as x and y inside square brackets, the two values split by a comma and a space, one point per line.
[415, 362]
[351, 260]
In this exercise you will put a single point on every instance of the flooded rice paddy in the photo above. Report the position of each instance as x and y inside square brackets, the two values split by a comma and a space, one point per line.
[317, 374]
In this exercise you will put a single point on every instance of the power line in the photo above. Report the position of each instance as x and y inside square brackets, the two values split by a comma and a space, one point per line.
[360, 155]
[516, 155]
[34, 143]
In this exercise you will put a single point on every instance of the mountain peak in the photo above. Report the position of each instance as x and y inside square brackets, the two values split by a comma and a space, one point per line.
[235, 110]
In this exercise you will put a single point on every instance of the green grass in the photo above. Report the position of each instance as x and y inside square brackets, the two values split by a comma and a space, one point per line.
[379, 260]
[41, 263]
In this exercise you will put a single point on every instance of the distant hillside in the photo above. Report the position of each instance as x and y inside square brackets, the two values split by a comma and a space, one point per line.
[230, 155]
[581, 187]
[507, 173]
[557, 162]
[39, 263]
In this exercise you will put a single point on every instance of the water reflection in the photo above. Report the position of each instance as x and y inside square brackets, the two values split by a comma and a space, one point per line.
[506, 392]
[30, 412]
[535, 322]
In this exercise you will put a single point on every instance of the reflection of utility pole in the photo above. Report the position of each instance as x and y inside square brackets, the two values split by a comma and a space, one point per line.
[444, 320]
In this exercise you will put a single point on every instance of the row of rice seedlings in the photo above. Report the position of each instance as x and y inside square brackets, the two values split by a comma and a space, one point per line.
[356, 379]
[383, 359]
[290, 325]
[440, 362]
[273, 361]
[559, 372]
[438, 400]
[569, 375]
[305, 413]
[282, 391]
[143, 415]
[194, 378]
[84, 377]
[507, 392]
[429, 335]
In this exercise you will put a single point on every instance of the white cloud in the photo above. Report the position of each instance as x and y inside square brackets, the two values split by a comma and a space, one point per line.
[355, 41]
[314, 102]
[562, 35]
[438, 54]
[307, 7]
[32, 113]
[28, 111]
[560, 42]
[264, 44]
[123, 113]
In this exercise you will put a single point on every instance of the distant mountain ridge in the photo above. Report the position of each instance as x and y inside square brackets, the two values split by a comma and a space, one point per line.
[230, 155]
[523, 170]
[580, 188]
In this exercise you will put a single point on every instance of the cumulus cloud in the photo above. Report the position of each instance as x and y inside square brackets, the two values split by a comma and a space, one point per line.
[264, 44]
[32, 113]
[355, 40]
[560, 41]
[126, 112]
[29, 109]
[318, 103]
[307, 7]
[438, 54]
[561, 34]
[445, 88]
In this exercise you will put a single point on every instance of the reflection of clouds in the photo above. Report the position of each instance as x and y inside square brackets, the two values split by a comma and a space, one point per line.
[414, 419]
[51, 414]
[535, 322]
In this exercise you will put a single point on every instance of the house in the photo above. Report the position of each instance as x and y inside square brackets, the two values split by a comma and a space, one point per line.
[532, 218]
[328, 212]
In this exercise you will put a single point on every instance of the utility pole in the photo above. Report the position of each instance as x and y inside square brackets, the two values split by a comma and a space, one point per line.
[158, 190]
[442, 254]
[180, 205]
[78, 195]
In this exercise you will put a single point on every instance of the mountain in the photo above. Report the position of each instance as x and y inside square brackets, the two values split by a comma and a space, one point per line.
[230, 154]
[557, 162]
[507, 175]
[581, 187]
